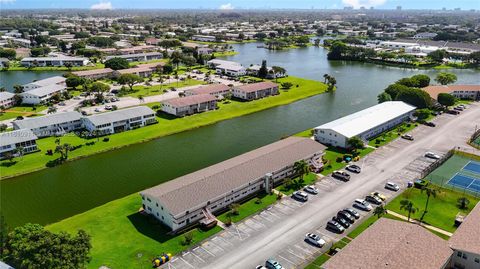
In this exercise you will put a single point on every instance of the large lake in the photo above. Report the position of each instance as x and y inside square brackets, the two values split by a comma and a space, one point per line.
[53, 194]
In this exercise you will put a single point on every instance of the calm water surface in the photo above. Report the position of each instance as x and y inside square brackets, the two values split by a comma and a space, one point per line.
[53, 194]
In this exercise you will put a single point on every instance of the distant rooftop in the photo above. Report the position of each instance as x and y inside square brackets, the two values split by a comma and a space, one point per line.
[253, 87]
[190, 100]
[17, 136]
[119, 115]
[392, 244]
[48, 81]
[47, 120]
[42, 91]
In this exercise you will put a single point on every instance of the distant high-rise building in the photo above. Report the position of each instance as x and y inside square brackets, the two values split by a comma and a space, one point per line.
[347, 8]
[399, 7]
[362, 8]
[457, 9]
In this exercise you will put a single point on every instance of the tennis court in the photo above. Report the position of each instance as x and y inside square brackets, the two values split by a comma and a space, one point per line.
[458, 172]
[465, 182]
[472, 167]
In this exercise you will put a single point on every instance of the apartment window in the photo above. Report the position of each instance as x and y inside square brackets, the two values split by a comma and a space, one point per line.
[148, 199]
[477, 260]
[156, 204]
[459, 254]
[149, 208]
[464, 256]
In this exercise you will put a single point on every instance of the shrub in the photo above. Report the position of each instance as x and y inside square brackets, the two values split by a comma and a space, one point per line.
[258, 201]
[106, 139]
[339, 159]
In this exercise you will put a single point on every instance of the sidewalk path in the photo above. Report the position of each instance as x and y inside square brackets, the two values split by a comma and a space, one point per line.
[430, 227]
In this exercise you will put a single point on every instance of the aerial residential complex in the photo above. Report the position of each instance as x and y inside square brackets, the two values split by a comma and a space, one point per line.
[471, 92]
[364, 124]
[214, 188]
[12, 141]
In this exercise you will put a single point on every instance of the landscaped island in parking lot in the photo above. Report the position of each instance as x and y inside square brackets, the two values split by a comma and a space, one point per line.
[166, 126]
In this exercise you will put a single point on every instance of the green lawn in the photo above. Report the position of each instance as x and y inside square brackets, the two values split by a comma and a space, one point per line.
[393, 134]
[317, 263]
[441, 210]
[307, 133]
[118, 233]
[250, 207]
[167, 125]
[157, 89]
[10, 115]
[331, 155]
[25, 108]
[296, 185]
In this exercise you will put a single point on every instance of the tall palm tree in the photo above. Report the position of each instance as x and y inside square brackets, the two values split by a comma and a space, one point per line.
[429, 191]
[301, 168]
[408, 205]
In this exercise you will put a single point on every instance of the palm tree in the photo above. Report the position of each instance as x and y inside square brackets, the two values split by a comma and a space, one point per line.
[408, 205]
[325, 78]
[429, 191]
[20, 151]
[463, 203]
[379, 211]
[301, 168]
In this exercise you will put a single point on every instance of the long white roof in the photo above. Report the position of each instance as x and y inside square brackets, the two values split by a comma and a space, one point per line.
[45, 90]
[364, 120]
[48, 81]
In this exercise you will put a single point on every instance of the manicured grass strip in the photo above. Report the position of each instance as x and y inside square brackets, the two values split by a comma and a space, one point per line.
[288, 188]
[119, 233]
[388, 136]
[332, 154]
[317, 263]
[249, 208]
[306, 133]
[167, 125]
[441, 209]
[225, 53]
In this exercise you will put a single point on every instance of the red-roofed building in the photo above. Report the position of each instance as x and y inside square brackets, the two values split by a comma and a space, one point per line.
[471, 92]
[189, 105]
[217, 90]
[255, 90]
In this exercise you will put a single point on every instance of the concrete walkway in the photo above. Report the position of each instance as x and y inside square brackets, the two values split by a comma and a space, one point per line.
[430, 227]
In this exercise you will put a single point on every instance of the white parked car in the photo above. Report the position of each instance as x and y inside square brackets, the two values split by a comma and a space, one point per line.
[432, 155]
[311, 189]
[362, 204]
[392, 186]
[108, 107]
[97, 110]
[315, 240]
[300, 195]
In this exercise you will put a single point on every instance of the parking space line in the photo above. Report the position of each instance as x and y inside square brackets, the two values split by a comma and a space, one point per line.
[291, 252]
[305, 249]
[186, 262]
[229, 243]
[289, 261]
[170, 265]
[206, 250]
[197, 257]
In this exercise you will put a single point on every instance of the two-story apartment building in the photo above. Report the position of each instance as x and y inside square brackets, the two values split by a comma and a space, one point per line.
[470, 92]
[7, 99]
[254, 91]
[42, 94]
[217, 89]
[11, 142]
[119, 120]
[54, 61]
[50, 125]
[194, 197]
[189, 105]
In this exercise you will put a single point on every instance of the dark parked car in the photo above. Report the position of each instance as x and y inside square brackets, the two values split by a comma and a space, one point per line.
[345, 215]
[429, 123]
[342, 222]
[341, 175]
[453, 112]
[373, 199]
[335, 226]
[352, 212]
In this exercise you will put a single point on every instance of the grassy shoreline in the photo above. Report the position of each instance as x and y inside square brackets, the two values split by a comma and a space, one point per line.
[166, 126]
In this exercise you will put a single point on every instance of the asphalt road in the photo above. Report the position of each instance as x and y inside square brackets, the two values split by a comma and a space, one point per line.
[451, 131]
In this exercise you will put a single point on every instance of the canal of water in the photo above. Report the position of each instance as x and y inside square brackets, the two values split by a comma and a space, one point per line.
[54, 194]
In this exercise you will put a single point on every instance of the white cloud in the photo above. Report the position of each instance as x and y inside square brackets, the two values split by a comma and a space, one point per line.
[363, 3]
[7, 1]
[102, 6]
[226, 7]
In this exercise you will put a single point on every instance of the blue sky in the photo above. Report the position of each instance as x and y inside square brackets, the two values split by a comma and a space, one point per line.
[238, 4]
